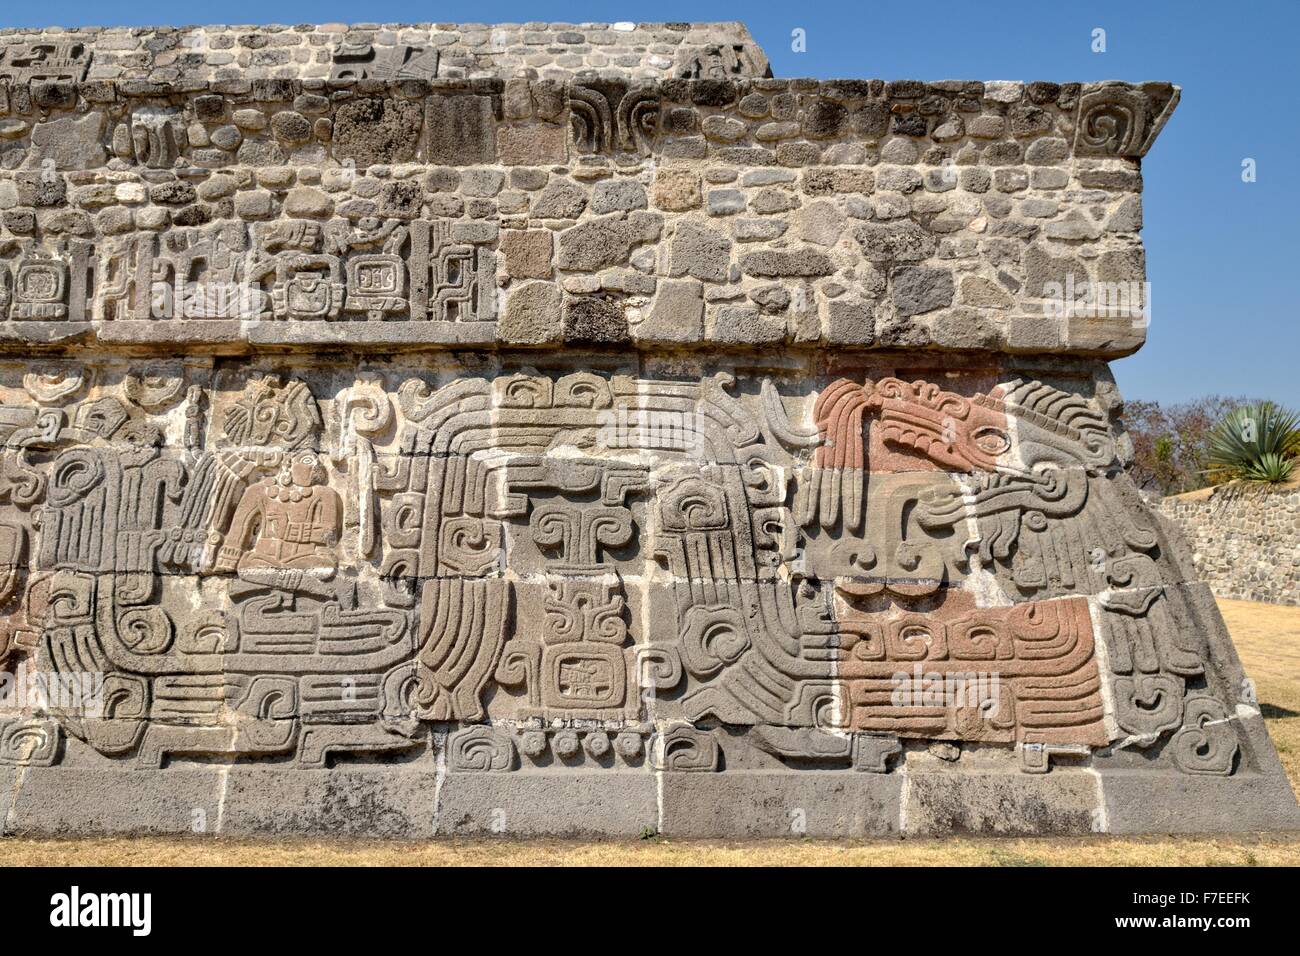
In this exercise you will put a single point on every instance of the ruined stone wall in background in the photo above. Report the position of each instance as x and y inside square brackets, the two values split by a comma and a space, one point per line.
[1245, 544]
[503, 441]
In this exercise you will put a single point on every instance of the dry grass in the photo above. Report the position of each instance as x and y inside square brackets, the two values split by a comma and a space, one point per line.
[1204, 494]
[1267, 637]
[1088, 851]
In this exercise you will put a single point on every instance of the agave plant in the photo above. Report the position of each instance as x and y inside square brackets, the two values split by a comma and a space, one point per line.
[1256, 443]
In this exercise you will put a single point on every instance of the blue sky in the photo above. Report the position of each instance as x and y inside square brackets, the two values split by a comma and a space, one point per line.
[1221, 253]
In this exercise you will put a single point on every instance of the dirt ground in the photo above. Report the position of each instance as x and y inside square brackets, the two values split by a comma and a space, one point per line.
[1267, 637]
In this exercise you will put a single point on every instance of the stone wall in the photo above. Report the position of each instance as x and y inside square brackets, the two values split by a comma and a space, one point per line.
[559, 451]
[682, 213]
[1245, 544]
[171, 57]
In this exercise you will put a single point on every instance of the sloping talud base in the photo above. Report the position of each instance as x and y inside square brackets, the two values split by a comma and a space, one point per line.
[928, 798]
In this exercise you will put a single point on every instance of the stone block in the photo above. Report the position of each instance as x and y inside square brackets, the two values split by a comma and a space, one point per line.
[373, 130]
[747, 804]
[574, 805]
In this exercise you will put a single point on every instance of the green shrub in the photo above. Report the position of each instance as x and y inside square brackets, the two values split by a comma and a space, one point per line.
[1257, 443]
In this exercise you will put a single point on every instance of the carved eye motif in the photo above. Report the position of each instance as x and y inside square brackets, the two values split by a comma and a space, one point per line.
[991, 441]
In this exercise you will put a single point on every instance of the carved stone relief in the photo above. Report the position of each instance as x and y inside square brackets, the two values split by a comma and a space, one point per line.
[380, 556]
[430, 420]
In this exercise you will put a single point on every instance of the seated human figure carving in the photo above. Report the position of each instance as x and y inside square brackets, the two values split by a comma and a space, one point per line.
[285, 530]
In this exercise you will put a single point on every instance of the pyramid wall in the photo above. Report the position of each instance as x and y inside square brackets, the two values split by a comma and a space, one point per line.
[571, 430]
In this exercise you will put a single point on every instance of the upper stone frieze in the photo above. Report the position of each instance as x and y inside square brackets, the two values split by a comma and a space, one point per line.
[184, 55]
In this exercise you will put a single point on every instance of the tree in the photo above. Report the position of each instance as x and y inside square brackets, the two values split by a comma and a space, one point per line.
[1169, 442]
